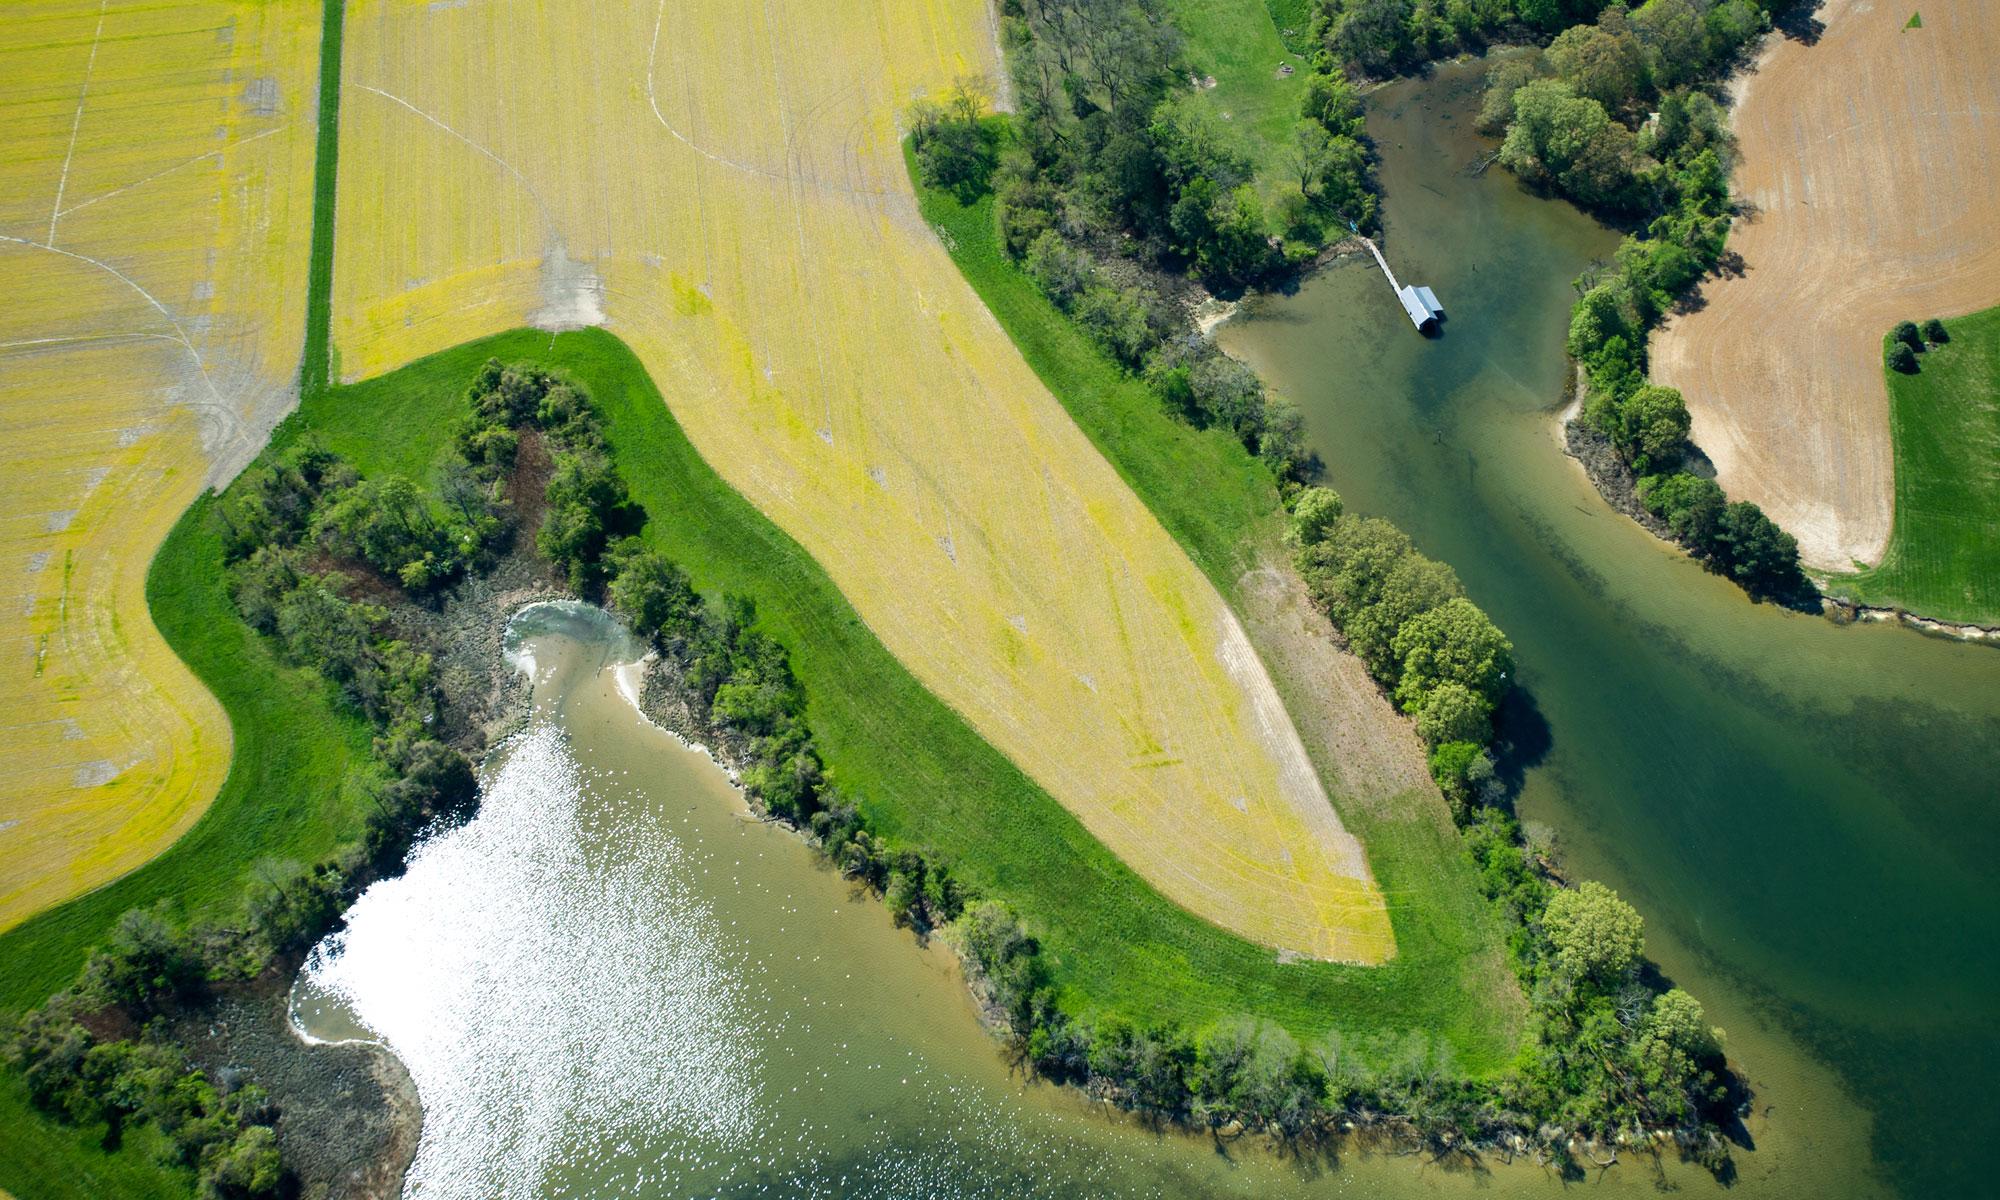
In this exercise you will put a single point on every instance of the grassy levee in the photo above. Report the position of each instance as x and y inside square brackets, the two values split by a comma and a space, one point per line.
[297, 787]
[1222, 505]
[315, 367]
[922, 773]
[1943, 559]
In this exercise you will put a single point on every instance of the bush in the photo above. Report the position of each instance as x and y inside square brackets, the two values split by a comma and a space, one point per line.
[1902, 358]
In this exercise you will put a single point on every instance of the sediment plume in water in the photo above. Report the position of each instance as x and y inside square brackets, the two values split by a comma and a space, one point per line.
[552, 982]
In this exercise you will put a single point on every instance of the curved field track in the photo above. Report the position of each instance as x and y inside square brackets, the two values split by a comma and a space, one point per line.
[1868, 161]
[155, 209]
[722, 185]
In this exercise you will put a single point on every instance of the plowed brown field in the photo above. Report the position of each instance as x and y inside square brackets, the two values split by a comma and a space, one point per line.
[1869, 161]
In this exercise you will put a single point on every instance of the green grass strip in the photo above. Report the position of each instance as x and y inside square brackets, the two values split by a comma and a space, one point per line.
[315, 367]
[1943, 558]
[924, 775]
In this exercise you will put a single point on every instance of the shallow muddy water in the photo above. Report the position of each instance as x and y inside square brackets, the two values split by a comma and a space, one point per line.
[1805, 813]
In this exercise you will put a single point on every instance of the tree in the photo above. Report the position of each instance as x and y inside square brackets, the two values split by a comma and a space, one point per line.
[1675, 35]
[1759, 555]
[1313, 513]
[1603, 62]
[1415, 584]
[1510, 76]
[1560, 138]
[1309, 155]
[1593, 934]
[1902, 359]
[1063, 271]
[653, 594]
[1934, 332]
[1655, 425]
[1906, 333]
[1452, 643]
[1454, 713]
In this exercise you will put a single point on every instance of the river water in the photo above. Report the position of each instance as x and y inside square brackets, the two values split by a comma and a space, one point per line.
[614, 982]
[1805, 813]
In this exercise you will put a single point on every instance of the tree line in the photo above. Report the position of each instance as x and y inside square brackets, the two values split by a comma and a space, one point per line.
[1612, 1050]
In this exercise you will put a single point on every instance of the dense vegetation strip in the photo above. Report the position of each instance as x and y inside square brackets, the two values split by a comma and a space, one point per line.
[1609, 1047]
[1943, 558]
[315, 367]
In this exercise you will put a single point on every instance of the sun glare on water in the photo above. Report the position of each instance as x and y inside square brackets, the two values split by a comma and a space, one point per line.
[552, 982]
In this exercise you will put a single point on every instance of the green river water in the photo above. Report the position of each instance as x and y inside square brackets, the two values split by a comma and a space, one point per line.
[613, 982]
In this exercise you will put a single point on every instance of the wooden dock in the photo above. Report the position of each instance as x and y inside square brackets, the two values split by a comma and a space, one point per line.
[1420, 304]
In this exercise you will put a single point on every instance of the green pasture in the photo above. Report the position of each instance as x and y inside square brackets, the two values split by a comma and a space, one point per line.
[1943, 559]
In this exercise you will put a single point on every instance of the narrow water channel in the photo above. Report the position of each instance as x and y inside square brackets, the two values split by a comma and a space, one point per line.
[1805, 813]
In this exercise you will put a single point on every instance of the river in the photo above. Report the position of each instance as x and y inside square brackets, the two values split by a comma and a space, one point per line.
[1804, 812]
[614, 982]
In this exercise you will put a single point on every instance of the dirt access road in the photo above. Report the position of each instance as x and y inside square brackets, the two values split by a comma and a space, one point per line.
[1867, 159]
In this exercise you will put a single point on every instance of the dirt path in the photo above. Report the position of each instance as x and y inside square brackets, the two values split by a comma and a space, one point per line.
[1868, 160]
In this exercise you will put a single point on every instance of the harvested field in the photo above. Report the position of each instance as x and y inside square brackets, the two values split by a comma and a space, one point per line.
[1867, 159]
[155, 201]
[723, 187]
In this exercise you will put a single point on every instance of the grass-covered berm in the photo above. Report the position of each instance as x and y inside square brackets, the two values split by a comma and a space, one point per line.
[1943, 559]
[155, 204]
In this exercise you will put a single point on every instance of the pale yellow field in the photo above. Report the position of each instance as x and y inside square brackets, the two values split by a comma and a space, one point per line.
[721, 184]
[1868, 161]
[155, 215]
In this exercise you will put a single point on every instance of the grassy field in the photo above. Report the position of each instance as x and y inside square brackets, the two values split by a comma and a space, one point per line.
[1293, 21]
[154, 171]
[1237, 41]
[727, 193]
[1943, 559]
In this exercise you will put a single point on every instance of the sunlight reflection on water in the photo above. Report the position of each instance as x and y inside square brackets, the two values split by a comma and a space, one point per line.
[552, 982]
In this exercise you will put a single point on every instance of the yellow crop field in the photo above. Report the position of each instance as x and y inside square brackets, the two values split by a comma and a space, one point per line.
[155, 214]
[721, 184]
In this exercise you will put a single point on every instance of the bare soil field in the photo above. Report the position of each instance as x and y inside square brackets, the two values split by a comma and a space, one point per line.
[1868, 161]
[155, 209]
[722, 186]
